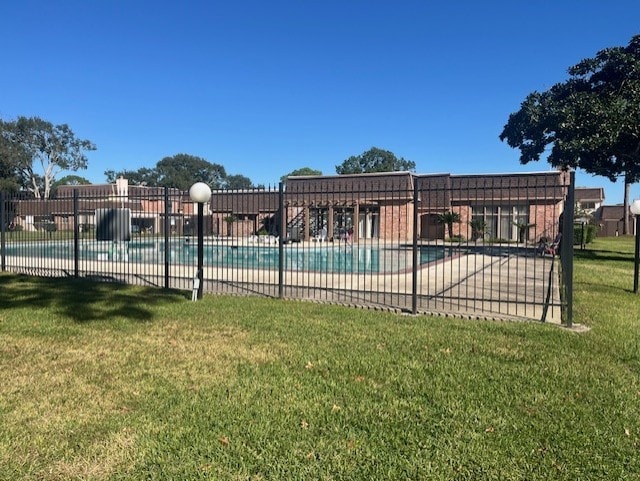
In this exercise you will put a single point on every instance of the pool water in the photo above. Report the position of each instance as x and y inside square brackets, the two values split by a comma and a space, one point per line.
[339, 258]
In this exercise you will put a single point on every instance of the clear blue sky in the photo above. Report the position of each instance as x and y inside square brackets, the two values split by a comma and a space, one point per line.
[265, 87]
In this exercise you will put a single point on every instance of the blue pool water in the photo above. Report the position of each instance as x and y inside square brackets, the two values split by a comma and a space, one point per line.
[330, 258]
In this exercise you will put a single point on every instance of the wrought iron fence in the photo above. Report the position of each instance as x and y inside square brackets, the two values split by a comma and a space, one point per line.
[477, 245]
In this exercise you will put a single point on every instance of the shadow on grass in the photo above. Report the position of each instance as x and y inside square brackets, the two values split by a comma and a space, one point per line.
[602, 255]
[84, 300]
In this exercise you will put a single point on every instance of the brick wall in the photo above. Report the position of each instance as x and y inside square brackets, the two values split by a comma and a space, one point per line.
[396, 220]
[546, 218]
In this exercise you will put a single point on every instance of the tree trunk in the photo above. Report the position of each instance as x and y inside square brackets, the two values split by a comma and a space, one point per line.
[627, 189]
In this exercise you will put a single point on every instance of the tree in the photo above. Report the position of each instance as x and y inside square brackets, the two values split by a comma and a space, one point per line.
[12, 157]
[590, 121]
[374, 160]
[48, 149]
[230, 219]
[182, 171]
[301, 171]
[238, 182]
[448, 218]
[71, 180]
[478, 228]
[68, 180]
[142, 176]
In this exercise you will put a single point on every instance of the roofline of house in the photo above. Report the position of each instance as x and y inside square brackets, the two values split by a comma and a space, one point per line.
[509, 174]
[412, 174]
[343, 176]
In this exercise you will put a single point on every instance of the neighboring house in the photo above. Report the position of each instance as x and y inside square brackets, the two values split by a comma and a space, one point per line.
[610, 219]
[589, 200]
[512, 207]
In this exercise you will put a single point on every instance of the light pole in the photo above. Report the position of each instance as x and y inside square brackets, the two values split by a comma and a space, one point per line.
[635, 210]
[200, 193]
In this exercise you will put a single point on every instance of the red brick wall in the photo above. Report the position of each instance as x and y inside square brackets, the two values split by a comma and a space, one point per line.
[461, 228]
[396, 220]
[545, 217]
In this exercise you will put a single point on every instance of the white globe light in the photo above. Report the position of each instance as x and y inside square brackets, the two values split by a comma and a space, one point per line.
[200, 192]
[635, 207]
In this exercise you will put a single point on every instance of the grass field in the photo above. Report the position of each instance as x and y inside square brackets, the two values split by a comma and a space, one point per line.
[110, 382]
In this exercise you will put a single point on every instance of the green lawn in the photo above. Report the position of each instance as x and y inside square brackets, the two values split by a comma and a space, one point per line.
[105, 382]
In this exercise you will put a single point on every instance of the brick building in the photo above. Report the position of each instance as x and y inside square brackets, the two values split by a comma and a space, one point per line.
[511, 207]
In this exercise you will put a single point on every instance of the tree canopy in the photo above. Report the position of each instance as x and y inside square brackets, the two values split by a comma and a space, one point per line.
[181, 171]
[42, 150]
[68, 180]
[590, 121]
[301, 171]
[12, 157]
[238, 182]
[374, 160]
[142, 176]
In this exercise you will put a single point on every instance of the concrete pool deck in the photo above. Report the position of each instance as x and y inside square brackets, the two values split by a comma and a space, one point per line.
[492, 282]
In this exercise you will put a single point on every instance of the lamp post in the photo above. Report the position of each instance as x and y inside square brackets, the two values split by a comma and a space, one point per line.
[635, 210]
[200, 193]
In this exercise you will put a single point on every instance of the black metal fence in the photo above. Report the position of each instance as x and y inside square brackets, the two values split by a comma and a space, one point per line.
[477, 246]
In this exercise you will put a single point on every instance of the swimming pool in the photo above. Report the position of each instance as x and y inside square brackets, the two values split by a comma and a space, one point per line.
[331, 258]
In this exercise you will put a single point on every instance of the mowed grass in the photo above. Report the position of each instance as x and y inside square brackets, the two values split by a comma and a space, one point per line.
[105, 382]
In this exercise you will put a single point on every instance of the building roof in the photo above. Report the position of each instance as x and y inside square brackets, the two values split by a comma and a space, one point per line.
[589, 194]
[434, 191]
[101, 190]
[65, 206]
[543, 186]
[244, 202]
[326, 189]
[611, 212]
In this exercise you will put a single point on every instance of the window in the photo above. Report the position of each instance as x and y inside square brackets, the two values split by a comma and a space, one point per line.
[318, 220]
[502, 220]
[342, 220]
[368, 222]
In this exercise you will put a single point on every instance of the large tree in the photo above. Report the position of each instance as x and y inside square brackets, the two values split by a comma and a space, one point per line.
[590, 121]
[49, 150]
[68, 180]
[12, 158]
[374, 160]
[238, 182]
[182, 170]
[142, 176]
[301, 171]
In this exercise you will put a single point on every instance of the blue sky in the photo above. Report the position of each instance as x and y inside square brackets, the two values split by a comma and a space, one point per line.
[264, 88]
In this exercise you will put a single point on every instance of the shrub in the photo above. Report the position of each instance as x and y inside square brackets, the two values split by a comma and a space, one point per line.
[590, 231]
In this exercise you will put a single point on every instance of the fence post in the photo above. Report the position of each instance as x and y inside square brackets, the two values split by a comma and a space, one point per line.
[3, 224]
[414, 273]
[281, 239]
[76, 236]
[167, 226]
[566, 255]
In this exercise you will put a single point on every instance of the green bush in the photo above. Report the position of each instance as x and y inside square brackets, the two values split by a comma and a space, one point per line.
[589, 233]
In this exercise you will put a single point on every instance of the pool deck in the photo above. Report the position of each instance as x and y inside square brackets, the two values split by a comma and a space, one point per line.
[489, 282]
